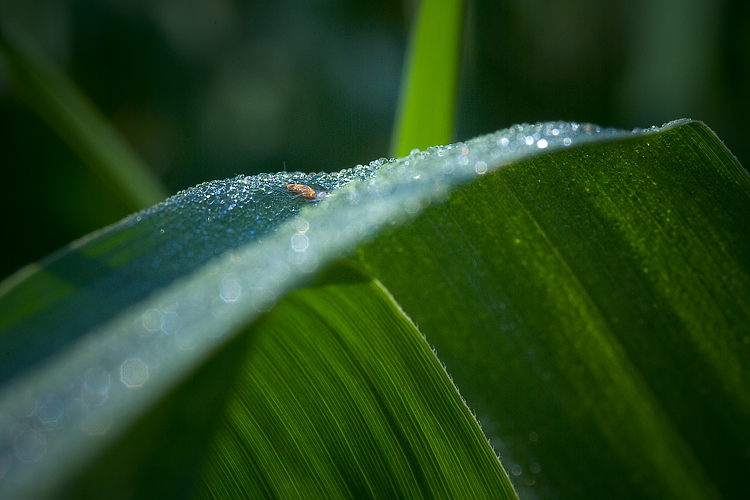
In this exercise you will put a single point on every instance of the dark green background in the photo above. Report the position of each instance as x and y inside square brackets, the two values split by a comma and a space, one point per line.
[206, 90]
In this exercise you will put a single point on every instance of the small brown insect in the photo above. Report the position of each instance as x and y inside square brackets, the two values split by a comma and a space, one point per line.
[306, 192]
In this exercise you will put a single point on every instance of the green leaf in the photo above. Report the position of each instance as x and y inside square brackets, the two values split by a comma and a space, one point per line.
[604, 292]
[591, 304]
[322, 405]
[375, 413]
[426, 105]
[60, 103]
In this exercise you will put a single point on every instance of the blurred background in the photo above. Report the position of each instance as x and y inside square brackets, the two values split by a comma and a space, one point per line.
[206, 90]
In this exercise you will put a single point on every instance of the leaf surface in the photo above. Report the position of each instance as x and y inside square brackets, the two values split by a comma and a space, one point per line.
[566, 293]
[374, 414]
[603, 291]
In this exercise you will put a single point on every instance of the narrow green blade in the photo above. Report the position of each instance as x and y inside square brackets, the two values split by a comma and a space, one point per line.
[426, 107]
[77, 121]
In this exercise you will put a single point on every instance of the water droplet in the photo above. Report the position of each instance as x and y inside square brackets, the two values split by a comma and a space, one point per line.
[230, 289]
[96, 386]
[299, 242]
[133, 372]
[151, 320]
[29, 445]
[49, 409]
[96, 423]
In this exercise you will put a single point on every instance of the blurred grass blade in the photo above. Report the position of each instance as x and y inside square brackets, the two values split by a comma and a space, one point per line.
[426, 105]
[64, 107]
[341, 397]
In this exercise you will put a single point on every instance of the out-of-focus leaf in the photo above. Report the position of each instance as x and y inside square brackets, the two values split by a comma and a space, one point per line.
[64, 107]
[426, 106]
